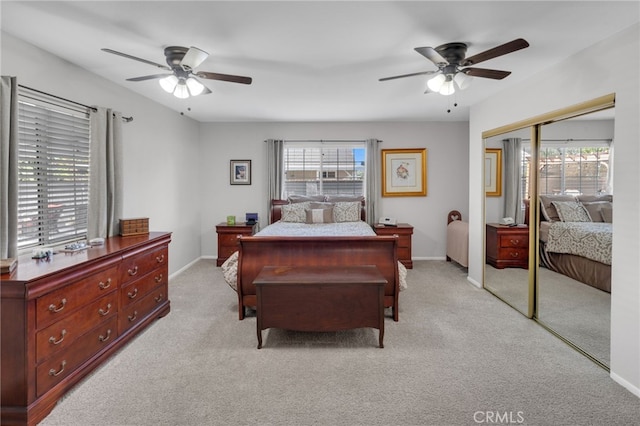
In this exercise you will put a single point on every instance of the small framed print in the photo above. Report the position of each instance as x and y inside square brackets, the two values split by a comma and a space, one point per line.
[404, 172]
[240, 172]
[493, 172]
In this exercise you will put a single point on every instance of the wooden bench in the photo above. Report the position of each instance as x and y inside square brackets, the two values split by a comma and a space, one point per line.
[320, 299]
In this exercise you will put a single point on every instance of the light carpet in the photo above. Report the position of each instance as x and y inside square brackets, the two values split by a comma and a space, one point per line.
[458, 356]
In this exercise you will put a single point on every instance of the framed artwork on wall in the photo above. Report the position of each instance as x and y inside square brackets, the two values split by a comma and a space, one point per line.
[493, 172]
[404, 172]
[240, 172]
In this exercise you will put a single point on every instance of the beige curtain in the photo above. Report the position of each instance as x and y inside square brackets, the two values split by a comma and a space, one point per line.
[275, 165]
[105, 193]
[8, 167]
[373, 181]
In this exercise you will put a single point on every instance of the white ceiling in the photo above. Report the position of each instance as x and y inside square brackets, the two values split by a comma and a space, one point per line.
[314, 60]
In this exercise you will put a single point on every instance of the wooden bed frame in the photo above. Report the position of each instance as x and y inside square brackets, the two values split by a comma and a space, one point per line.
[255, 252]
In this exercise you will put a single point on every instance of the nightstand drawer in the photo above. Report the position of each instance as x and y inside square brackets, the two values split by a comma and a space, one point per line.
[520, 241]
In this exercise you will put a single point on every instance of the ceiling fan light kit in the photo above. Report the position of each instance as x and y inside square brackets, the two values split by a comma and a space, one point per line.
[182, 61]
[454, 68]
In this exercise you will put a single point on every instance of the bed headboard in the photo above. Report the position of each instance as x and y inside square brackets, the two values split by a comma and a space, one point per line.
[453, 215]
[276, 210]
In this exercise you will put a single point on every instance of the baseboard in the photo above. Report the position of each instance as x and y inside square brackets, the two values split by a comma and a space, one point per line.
[474, 282]
[625, 384]
[184, 268]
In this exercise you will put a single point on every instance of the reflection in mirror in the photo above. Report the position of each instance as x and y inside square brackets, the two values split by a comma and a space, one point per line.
[575, 230]
[506, 272]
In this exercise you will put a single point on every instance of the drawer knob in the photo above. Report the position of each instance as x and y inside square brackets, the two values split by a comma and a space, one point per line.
[515, 254]
[160, 258]
[102, 312]
[105, 338]
[55, 309]
[133, 271]
[159, 298]
[158, 278]
[105, 285]
[515, 242]
[133, 294]
[54, 373]
[133, 317]
[53, 340]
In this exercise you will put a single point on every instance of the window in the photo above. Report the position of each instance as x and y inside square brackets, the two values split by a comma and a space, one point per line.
[53, 172]
[330, 168]
[571, 170]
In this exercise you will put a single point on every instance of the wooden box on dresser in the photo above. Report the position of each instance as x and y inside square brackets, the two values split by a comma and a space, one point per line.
[64, 316]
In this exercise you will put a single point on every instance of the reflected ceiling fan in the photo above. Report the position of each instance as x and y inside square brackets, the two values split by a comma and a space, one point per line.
[453, 67]
[182, 62]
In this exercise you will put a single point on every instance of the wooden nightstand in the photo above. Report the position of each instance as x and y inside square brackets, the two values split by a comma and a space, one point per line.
[228, 238]
[507, 246]
[404, 232]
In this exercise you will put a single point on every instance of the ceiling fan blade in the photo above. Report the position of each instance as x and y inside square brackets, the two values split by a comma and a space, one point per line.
[224, 77]
[503, 49]
[486, 73]
[408, 75]
[193, 58]
[431, 54]
[148, 77]
[135, 58]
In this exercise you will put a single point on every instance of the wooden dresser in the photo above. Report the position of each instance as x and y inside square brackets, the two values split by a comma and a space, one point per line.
[228, 238]
[404, 231]
[62, 317]
[507, 246]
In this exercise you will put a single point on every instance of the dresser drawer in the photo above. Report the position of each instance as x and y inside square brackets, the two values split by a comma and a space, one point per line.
[52, 371]
[63, 333]
[136, 312]
[59, 303]
[519, 240]
[136, 290]
[136, 266]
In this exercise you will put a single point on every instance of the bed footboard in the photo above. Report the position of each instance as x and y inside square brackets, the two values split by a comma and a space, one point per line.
[256, 252]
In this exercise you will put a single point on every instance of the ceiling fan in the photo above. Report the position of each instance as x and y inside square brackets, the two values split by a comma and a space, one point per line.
[182, 62]
[453, 67]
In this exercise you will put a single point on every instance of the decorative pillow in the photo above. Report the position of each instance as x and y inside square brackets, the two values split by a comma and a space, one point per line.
[595, 209]
[294, 212]
[295, 198]
[319, 215]
[607, 213]
[548, 210]
[571, 211]
[347, 211]
[318, 205]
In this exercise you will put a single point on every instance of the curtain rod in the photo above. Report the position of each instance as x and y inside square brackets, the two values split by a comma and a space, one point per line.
[94, 109]
[326, 140]
[570, 140]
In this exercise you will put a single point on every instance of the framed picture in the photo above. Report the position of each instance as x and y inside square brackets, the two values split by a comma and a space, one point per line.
[404, 172]
[240, 172]
[493, 172]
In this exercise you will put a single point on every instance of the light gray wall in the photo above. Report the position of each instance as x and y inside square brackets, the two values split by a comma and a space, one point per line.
[447, 173]
[583, 77]
[161, 148]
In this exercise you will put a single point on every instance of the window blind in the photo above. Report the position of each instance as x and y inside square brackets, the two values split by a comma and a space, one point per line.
[328, 168]
[53, 172]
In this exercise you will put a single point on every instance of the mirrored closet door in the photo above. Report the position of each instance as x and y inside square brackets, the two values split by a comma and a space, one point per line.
[556, 184]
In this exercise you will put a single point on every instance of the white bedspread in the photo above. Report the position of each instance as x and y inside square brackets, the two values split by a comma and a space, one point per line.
[293, 229]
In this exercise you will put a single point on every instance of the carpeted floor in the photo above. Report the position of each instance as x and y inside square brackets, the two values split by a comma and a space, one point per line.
[458, 356]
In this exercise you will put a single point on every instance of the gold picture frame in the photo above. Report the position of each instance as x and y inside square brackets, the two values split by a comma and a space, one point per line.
[493, 172]
[404, 172]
